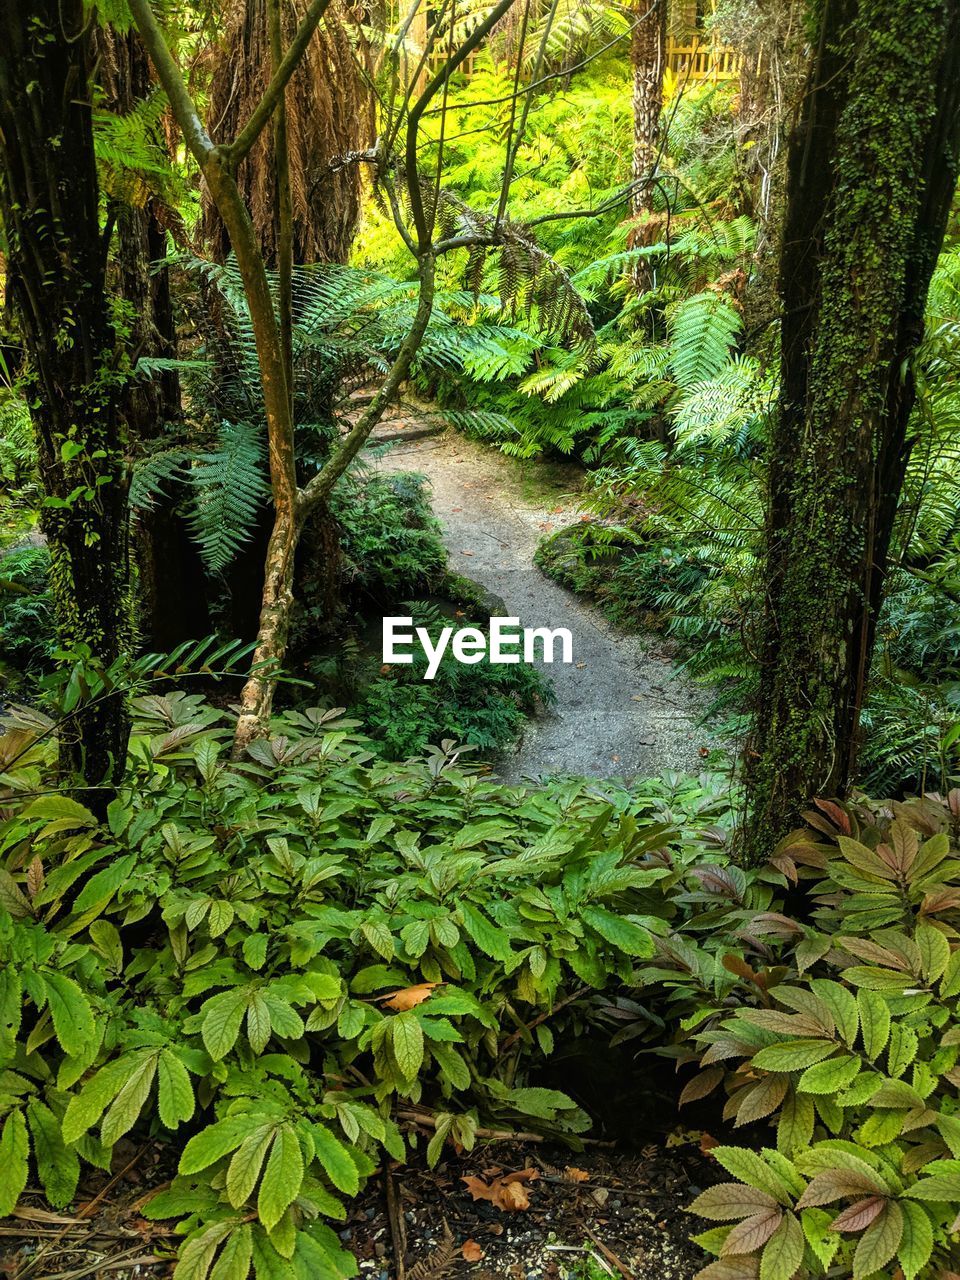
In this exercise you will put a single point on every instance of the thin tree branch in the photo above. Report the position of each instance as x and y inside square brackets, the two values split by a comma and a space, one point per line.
[174, 85]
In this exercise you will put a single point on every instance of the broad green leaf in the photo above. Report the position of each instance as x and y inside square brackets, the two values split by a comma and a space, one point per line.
[916, 1244]
[211, 1144]
[842, 1004]
[86, 1107]
[197, 1254]
[175, 1100]
[820, 1238]
[406, 1043]
[624, 934]
[491, 940]
[874, 1022]
[903, 1048]
[830, 1077]
[795, 1126]
[879, 1242]
[938, 1186]
[255, 950]
[125, 1109]
[336, 1160]
[754, 1171]
[282, 1178]
[934, 951]
[783, 1252]
[730, 1200]
[244, 1168]
[57, 1164]
[70, 1011]
[223, 1015]
[235, 1256]
[267, 1263]
[258, 1022]
[379, 937]
[14, 1150]
[793, 1055]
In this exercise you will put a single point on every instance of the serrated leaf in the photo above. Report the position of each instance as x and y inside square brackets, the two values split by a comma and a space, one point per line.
[903, 1048]
[916, 1243]
[175, 1100]
[730, 1200]
[222, 1016]
[14, 1150]
[379, 937]
[934, 951]
[70, 1011]
[754, 1171]
[255, 950]
[784, 1250]
[751, 1234]
[795, 1126]
[235, 1256]
[879, 1242]
[492, 941]
[406, 1044]
[282, 1178]
[124, 1111]
[246, 1163]
[336, 1160]
[626, 935]
[874, 1022]
[831, 1076]
[211, 1144]
[57, 1165]
[793, 1055]
[198, 1252]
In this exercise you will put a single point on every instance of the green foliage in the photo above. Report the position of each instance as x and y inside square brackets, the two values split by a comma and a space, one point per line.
[849, 1046]
[27, 631]
[483, 706]
[270, 957]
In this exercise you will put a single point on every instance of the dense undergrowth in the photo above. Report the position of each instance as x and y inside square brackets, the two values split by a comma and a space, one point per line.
[279, 965]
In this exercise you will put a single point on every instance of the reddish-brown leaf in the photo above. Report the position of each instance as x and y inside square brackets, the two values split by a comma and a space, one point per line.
[471, 1251]
[701, 1085]
[753, 1233]
[763, 1099]
[834, 1184]
[859, 1215]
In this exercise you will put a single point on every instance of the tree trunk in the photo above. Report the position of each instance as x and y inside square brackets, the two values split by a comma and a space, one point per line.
[648, 55]
[172, 586]
[50, 203]
[872, 172]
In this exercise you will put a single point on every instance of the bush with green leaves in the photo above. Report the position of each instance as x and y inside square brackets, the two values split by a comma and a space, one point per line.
[27, 629]
[848, 1046]
[283, 964]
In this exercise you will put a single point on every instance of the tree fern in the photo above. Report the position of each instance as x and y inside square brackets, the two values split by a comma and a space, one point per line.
[229, 488]
[703, 332]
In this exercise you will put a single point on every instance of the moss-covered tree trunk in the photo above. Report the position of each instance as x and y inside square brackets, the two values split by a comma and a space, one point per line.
[872, 171]
[50, 204]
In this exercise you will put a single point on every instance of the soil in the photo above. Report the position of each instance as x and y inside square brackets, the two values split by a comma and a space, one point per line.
[622, 709]
[618, 1214]
[623, 1214]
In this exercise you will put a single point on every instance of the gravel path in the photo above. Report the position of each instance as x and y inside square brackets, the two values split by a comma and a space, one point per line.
[621, 709]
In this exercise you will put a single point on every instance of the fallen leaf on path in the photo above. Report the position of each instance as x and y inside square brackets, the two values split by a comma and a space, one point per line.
[468, 553]
[408, 997]
[471, 1251]
[572, 1174]
[506, 1192]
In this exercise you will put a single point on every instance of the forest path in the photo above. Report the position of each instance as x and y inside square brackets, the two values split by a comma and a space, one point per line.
[621, 710]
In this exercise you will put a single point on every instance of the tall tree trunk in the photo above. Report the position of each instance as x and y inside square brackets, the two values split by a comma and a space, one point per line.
[172, 586]
[872, 172]
[648, 56]
[50, 204]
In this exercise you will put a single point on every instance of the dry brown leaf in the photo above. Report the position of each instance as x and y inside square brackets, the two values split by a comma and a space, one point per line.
[408, 997]
[35, 877]
[472, 1252]
[507, 1192]
[572, 1174]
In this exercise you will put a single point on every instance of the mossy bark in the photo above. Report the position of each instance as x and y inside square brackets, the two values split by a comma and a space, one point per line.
[50, 204]
[872, 171]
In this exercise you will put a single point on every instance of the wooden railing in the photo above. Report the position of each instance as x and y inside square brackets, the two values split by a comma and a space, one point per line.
[702, 60]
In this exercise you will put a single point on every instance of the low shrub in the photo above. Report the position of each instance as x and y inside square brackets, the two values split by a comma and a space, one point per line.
[295, 964]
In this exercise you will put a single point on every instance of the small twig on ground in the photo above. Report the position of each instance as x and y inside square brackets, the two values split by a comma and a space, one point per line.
[86, 1212]
[123, 1260]
[610, 1256]
[398, 1232]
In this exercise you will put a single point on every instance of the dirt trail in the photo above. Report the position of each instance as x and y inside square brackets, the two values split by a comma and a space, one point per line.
[620, 711]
